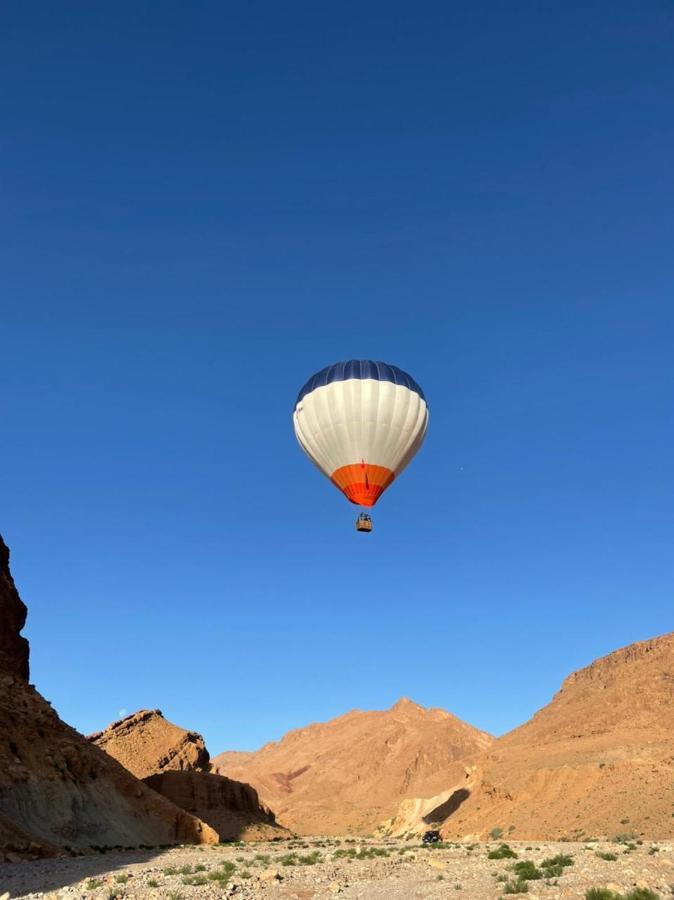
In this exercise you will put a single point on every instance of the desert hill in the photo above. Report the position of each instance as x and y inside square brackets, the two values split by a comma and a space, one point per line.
[351, 772]
[146, 744]
[176, 763]
[56, 789]
[598, 759]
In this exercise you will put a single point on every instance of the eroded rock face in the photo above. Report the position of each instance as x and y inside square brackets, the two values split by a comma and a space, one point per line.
[599, 757]
[175, 762]
[146, 744]
[13, 647]
[352, 772]
[231, 808]
[57, 789]
[61, 790]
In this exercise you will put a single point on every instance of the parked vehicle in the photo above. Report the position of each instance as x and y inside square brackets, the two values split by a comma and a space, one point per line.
[431, 837]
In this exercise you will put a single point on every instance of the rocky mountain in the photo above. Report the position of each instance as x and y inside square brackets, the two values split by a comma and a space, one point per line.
[598, 760]
[351, 772]
[146, 744]
[57, 789]
[175, 762]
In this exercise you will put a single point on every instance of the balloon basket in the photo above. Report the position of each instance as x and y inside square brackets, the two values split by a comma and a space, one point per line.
[364, 523]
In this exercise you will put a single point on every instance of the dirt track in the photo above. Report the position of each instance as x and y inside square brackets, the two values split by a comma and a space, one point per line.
[344, 868]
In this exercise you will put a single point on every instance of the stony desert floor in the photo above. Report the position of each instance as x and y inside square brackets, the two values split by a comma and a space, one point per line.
[354, 868]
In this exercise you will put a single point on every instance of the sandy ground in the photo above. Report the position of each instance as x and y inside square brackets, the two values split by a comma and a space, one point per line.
[344, 868]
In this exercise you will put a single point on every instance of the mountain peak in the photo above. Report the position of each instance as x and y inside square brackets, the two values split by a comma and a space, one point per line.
[404, 704]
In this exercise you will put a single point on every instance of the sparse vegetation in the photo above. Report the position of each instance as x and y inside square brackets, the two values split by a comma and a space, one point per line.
[366, 852]
[496, 833]
[555, 865]
[520, 873]
[606, 894]
[516, 887]
[195, 880]
[224, 873]
[526, 870]
[502, 852]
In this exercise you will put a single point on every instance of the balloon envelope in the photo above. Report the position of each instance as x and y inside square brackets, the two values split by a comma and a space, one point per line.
[361, 422]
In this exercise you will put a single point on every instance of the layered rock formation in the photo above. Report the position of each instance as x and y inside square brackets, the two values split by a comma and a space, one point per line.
[57, 789]
[175, 762]
[597, 761]
[146, 743]
[350, 773]
[230, 807]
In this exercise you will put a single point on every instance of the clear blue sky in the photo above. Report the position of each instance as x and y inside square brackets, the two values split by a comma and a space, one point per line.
[202, 204]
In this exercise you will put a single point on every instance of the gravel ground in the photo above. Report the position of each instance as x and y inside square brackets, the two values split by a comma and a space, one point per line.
[348, 869]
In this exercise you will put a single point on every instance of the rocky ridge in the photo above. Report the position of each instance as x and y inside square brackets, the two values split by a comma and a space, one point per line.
[597, 760]
[146, 743]
[175, 763]
[57, 789]
[351, 772]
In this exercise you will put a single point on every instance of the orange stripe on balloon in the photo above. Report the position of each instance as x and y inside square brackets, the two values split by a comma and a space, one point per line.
[362, 483]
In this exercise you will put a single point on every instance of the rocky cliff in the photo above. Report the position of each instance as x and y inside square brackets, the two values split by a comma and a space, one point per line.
[598, 760]
[175, 762]
[13, 647]
[57, 789]
[231, 808]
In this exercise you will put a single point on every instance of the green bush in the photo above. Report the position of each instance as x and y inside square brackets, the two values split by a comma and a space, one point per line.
[224, 873]
[555, 865]
[526, 870]
[502, 852]
[609, 857]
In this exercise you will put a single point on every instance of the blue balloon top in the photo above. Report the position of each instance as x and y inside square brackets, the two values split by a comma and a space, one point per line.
[359, 368]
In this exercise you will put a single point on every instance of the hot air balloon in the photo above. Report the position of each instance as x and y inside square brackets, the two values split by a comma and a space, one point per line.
[361, 422]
